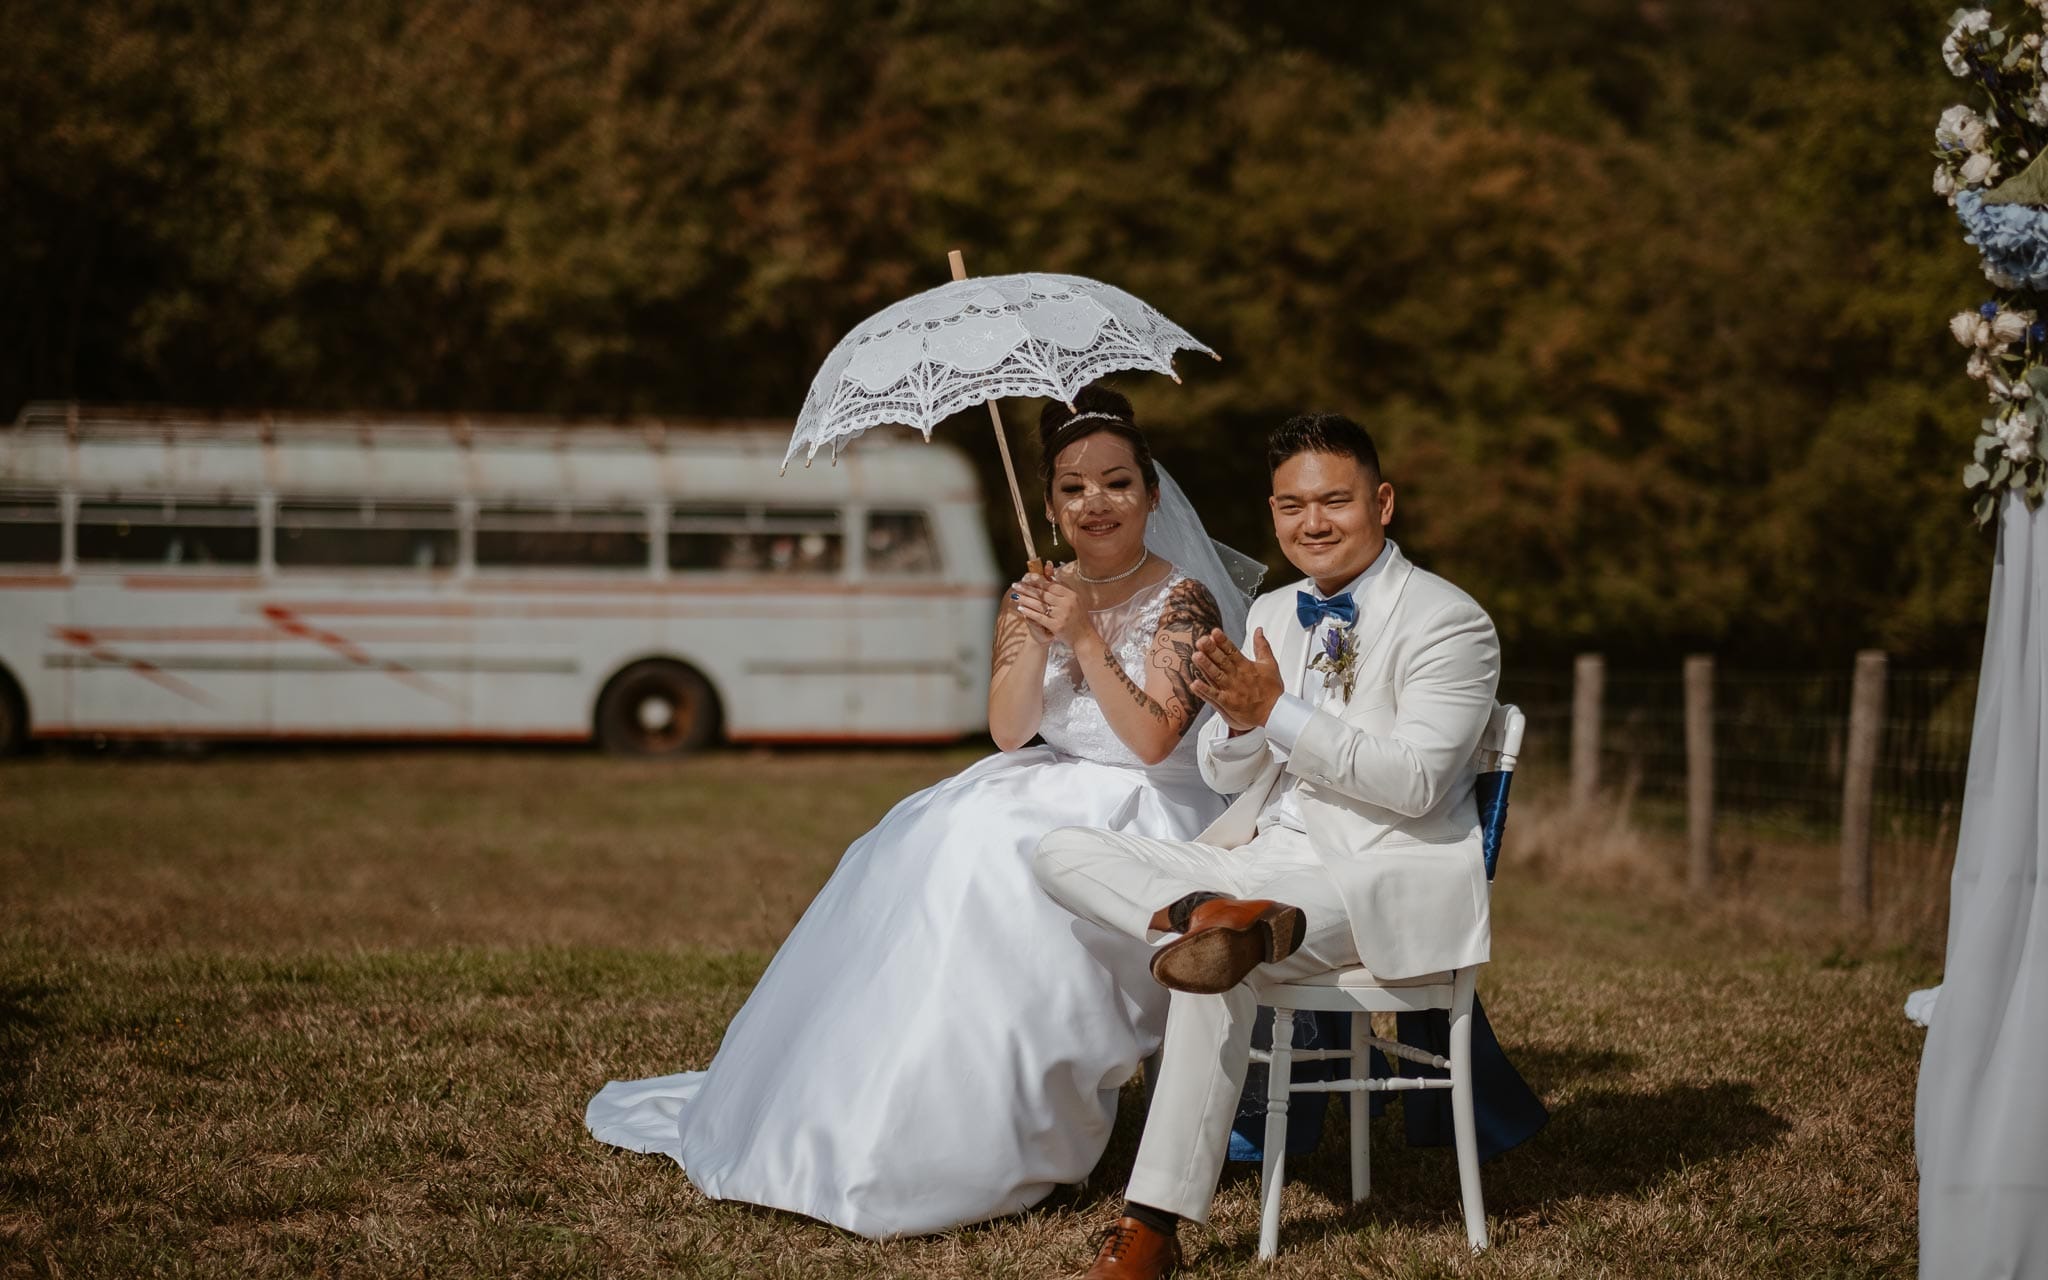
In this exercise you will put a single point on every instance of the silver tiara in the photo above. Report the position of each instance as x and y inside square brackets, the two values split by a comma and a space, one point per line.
[1094, 413]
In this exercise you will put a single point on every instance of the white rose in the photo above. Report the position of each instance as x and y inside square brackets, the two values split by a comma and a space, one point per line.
[1945, 184]
[1961, 127]
[2017, 434]
[1985, 338]
[1978, 170]
[1964, 326]
[1968, 26]
[1979, 366]
[2011, 326]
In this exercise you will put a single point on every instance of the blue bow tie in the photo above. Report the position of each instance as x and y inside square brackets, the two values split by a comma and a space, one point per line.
[1313, 609]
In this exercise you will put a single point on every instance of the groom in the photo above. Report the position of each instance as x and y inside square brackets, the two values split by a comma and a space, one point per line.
[1347, 733]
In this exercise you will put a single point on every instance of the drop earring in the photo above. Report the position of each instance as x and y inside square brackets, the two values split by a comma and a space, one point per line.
[1055, 535]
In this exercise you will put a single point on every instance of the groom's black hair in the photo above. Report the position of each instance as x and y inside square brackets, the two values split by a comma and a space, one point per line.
[1322, 433]
[1096, 409]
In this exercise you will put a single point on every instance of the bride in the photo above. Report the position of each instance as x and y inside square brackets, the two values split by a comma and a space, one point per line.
[937, 1042]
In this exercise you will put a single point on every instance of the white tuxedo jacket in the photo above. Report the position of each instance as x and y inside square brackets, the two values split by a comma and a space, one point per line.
[1386, 782]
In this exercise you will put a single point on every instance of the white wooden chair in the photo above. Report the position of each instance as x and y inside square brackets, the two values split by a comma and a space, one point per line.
[1359, 993]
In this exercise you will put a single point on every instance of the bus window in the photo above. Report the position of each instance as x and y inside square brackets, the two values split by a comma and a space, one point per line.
[524, 535]
[772, 540]
[901, 543]
[166, 531]
[340, 534]
[31, 528]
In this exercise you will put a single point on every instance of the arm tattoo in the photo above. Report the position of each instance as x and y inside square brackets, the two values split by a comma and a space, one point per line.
[1138, 695]
[1190, 614]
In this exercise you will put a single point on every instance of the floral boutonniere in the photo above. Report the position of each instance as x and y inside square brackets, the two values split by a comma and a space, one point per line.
[1338, 658]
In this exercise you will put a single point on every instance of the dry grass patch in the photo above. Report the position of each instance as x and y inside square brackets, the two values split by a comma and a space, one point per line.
[315, 1014]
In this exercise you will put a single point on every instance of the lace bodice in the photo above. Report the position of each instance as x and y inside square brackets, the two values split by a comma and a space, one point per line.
[1073, 722]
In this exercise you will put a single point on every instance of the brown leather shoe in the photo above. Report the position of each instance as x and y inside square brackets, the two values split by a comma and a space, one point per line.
[1227, 938]
[1133, 1251]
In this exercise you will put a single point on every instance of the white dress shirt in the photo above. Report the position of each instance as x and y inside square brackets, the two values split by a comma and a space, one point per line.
[1291, 714]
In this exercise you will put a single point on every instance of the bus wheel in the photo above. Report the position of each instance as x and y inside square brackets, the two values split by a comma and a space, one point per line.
[656, 708]
[13, 717]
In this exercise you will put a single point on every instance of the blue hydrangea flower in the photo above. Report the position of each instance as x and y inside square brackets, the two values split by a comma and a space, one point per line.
[1988, 310]
[2012, 237]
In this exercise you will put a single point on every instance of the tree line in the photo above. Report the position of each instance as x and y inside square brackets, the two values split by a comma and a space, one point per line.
[1645, 300]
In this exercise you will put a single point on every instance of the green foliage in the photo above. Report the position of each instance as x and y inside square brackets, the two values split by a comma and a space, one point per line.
[1644, 301]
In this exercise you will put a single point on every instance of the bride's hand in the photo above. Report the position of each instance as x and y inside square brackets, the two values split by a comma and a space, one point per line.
[1026, 591]
[1057, 609]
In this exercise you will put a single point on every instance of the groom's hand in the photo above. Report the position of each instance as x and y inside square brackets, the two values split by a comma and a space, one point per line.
[1242, 689]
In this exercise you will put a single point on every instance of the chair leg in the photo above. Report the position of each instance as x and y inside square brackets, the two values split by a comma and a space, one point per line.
[1465, 1134]
[1359, 1103]
[1273, 1175]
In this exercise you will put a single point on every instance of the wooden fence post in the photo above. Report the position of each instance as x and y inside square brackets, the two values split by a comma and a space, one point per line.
[1859, 778]
[1699, 772]
[1589, 677]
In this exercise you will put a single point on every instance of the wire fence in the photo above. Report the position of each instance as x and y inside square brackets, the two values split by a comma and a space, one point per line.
[1780, 747]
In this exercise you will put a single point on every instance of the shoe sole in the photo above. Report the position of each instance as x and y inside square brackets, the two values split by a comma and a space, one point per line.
[1215, 960]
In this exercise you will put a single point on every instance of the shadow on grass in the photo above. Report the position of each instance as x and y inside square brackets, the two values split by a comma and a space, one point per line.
[1548, 1069]
[1601, 1144]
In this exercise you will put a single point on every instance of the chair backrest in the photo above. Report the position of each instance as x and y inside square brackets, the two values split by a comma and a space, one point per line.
[1499, 749]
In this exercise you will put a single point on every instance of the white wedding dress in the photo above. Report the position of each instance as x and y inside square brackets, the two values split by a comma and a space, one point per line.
[937, 1042]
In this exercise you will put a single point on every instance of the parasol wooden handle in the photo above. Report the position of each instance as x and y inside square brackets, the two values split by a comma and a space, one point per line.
[958, 262]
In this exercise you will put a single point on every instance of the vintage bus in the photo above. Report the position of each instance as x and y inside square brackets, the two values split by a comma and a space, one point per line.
[653, 588]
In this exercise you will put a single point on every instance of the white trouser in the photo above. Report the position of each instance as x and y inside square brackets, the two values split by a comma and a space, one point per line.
[1119, 881]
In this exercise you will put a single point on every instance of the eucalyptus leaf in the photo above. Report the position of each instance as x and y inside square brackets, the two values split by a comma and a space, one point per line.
[1994, 38]
[1974, 475]
[2037, 377]
[2000, 472]
[1984, 506]
[1977, 451]
[2012, 56]
[2028, 186]
[2039, 485]
[2017, 480]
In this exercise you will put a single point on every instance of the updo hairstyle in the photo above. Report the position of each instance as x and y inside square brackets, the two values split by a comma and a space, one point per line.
[1096, 409]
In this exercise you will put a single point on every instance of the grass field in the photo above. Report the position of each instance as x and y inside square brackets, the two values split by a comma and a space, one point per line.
[318, 1013]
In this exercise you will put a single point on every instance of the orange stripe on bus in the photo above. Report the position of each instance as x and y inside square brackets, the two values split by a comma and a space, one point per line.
[264, 635]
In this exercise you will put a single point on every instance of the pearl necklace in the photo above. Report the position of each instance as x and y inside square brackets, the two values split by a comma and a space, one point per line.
[1143, 556]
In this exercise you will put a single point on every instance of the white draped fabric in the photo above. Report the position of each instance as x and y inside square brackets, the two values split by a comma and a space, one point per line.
[937, 1042]
[1981, 1122]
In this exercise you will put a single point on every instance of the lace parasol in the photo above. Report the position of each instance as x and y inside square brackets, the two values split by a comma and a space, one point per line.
[974, 341]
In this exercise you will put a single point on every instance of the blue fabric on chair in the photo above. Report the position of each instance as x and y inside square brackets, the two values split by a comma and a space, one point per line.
[1490, 793]
[1505, 1110]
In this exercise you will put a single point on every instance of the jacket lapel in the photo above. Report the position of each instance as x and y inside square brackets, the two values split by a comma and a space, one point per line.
[1289, 641]
[1377, 601]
